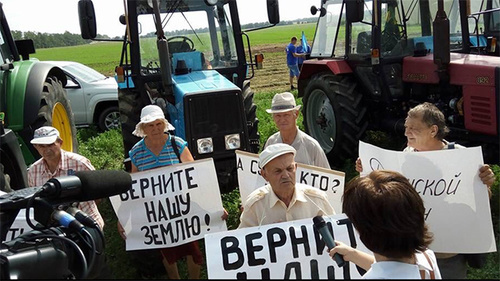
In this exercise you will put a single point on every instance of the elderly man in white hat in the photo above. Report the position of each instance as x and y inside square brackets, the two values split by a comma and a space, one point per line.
[57, 162]
[285, 113]
[282, 199]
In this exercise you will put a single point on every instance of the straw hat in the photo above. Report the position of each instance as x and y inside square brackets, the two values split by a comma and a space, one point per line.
[283, 102]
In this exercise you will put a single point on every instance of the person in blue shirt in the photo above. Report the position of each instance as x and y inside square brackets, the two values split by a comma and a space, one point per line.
[291, 60]
[300, 50]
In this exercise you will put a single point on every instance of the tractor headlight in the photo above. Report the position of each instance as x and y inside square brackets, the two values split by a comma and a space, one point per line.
[205, 145]
[232, 141]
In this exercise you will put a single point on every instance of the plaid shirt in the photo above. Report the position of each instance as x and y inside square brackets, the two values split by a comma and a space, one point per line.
[39, 174]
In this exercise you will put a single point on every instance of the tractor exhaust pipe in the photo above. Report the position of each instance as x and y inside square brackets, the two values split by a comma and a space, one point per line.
[441, 39]
[163, 53]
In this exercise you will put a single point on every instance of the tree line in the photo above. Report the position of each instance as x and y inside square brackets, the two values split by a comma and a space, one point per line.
[66, 39]
[51, 40]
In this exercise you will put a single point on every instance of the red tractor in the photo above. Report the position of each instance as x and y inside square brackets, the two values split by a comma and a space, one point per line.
[371, 61]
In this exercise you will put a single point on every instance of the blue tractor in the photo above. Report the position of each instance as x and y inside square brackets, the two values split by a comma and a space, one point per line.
[189, 57]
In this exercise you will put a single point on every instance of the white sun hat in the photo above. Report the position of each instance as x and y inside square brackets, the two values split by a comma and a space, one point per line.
[274, 150]
[283, 102]
[151, 113]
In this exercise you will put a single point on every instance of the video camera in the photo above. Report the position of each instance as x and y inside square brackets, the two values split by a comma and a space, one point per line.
[66, 243]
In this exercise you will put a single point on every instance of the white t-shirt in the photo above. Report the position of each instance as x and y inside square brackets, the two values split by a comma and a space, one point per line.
[401, 270]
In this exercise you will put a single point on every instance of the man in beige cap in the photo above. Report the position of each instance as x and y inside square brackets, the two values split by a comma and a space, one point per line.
[282, 199]
[56, 162]
[285, 113]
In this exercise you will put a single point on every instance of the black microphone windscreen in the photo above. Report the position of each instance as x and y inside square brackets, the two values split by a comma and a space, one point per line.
[103, 183]
[318, 221]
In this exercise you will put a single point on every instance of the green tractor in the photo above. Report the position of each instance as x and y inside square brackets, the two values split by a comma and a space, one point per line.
[32, 95]
[190, 58]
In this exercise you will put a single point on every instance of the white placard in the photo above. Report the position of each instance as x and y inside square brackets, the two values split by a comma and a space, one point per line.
[286, 250]
[330, 181]
[171, 205]
[456, 201]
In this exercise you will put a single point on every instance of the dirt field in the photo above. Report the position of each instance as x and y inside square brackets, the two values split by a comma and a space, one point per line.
[273, 77]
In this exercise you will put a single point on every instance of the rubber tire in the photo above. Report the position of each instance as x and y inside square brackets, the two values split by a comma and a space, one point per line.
[344, 116]
[130, 105]
[109, 119]
[55, 110]
[251, 115]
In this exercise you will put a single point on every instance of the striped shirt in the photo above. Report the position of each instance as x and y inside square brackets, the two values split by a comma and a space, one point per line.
[144, 159]
[39, 174]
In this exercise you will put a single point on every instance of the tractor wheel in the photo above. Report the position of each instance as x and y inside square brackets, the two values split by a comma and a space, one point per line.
[130, 112]
[55, 110]
[334, 114]
[109, 119]
[252, 120]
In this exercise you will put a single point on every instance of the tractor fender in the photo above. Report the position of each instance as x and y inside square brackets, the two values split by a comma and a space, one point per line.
[312, 67]
[34, 88]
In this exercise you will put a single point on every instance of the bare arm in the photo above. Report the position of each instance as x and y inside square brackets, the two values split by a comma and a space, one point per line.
[361, 259]
[487, 177]
[186, 155]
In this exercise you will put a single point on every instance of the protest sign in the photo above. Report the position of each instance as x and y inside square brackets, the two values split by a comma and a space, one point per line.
[286, 250]
[171, 205]
[20, 225]
[456, 201]
[330, 181]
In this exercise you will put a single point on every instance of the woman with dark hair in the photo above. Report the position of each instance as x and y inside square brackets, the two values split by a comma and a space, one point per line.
[389, 216]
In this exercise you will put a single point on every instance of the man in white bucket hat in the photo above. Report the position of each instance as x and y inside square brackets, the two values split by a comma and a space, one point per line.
[285, 113]
[282, 199]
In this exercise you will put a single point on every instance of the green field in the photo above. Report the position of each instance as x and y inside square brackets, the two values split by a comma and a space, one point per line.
[104, 56]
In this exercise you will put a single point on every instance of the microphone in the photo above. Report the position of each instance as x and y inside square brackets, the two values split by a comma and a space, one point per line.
[320, 225]
[83, 186]
[103, 183]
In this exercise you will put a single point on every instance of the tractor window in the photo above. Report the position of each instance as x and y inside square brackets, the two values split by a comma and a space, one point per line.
[224, 53]
[495, 21]
[391, 26]
[328, 37]
[208, 31]
[362, 32]
[5, 52]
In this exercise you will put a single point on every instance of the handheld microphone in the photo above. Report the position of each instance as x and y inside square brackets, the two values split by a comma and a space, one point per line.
[320, 225]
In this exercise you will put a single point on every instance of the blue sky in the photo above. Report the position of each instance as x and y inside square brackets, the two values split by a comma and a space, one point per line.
[58, 16]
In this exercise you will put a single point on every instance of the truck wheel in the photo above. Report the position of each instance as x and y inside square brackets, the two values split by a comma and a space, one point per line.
[334, 115]
[109, 119]
[252, 120]
[55, 110]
